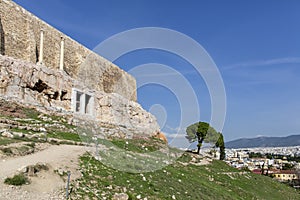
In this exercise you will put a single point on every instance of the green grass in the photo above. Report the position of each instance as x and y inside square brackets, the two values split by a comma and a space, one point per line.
[65, 136]
[22, 131]
[137, 145]
[6, 141]
[20, 150]
[31, 113]
[17, 180]
[7, 151]
[23, 149]
[32, 144]
[58, 129]
[184, 182]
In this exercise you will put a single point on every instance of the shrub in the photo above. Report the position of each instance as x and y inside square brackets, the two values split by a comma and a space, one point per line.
[7, 151]
[130, 196]
[19, 179]
[32, 144]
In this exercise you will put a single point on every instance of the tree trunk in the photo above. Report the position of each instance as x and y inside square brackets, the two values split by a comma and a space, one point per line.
[198, 150]
[200, 141]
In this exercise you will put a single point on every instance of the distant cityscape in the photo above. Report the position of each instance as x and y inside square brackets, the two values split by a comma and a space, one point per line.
[281, 163]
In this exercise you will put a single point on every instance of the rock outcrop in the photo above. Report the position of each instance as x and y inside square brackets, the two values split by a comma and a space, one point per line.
[20, 37]
[42, 67]
[52, 90]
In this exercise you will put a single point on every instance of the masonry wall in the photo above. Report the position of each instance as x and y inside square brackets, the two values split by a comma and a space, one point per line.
[52, 90]
[20, 38]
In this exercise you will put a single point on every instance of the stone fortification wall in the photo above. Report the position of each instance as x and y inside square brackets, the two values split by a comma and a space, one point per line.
[20, 34]
[53, 90]
[82, 84]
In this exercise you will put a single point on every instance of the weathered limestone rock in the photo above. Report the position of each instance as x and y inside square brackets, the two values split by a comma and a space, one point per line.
[161, 136]
[88, 84]
[31, 170]
[50, 89]
[20, 33]
[18, 134]
[120, 196]
[7, 134]
[34, 84]
[23, 169]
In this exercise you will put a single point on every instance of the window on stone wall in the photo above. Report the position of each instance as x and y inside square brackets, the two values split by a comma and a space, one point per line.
[82, 103]
[78, 97]
[88, 103]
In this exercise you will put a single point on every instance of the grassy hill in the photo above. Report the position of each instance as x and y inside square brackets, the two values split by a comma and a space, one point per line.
[183, 179]
[189, 177]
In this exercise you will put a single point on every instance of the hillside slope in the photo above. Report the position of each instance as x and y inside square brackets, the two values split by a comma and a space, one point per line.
[189, 177]
[43, 185]
[181, 180]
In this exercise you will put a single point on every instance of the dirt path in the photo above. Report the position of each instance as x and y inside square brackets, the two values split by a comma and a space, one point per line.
[44, 186]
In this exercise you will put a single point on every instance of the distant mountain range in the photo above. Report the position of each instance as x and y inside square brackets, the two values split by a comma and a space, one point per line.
[292, 140]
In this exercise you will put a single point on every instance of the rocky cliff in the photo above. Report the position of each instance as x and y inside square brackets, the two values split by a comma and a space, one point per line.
[42, 67]
[20, 37]
[51, 90]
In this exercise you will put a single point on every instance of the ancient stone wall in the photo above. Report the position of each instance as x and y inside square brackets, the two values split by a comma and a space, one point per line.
[88, 87]
[52, 90]
[20, 33]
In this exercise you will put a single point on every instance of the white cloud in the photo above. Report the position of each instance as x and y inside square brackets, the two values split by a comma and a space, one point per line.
[287, 60]
[178, 140]
[175, 135]
[173, 130]
[168, 74]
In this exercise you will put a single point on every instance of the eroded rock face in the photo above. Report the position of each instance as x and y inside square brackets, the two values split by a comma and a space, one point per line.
[109, 91]
[34, 84]
[52, 90]
[20, 37]
[98, 74]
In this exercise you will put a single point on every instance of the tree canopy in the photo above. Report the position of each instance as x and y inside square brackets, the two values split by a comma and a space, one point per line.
[203, 132]
[220, 144]
[202, 129]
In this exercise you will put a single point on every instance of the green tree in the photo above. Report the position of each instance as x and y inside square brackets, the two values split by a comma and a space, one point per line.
[201, 131]
[288, 166]
[220, 144]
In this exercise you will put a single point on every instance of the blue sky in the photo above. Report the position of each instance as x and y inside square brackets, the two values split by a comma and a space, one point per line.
[255, 44]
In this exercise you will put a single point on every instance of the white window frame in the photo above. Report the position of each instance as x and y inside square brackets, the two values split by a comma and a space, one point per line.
[84, 104]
